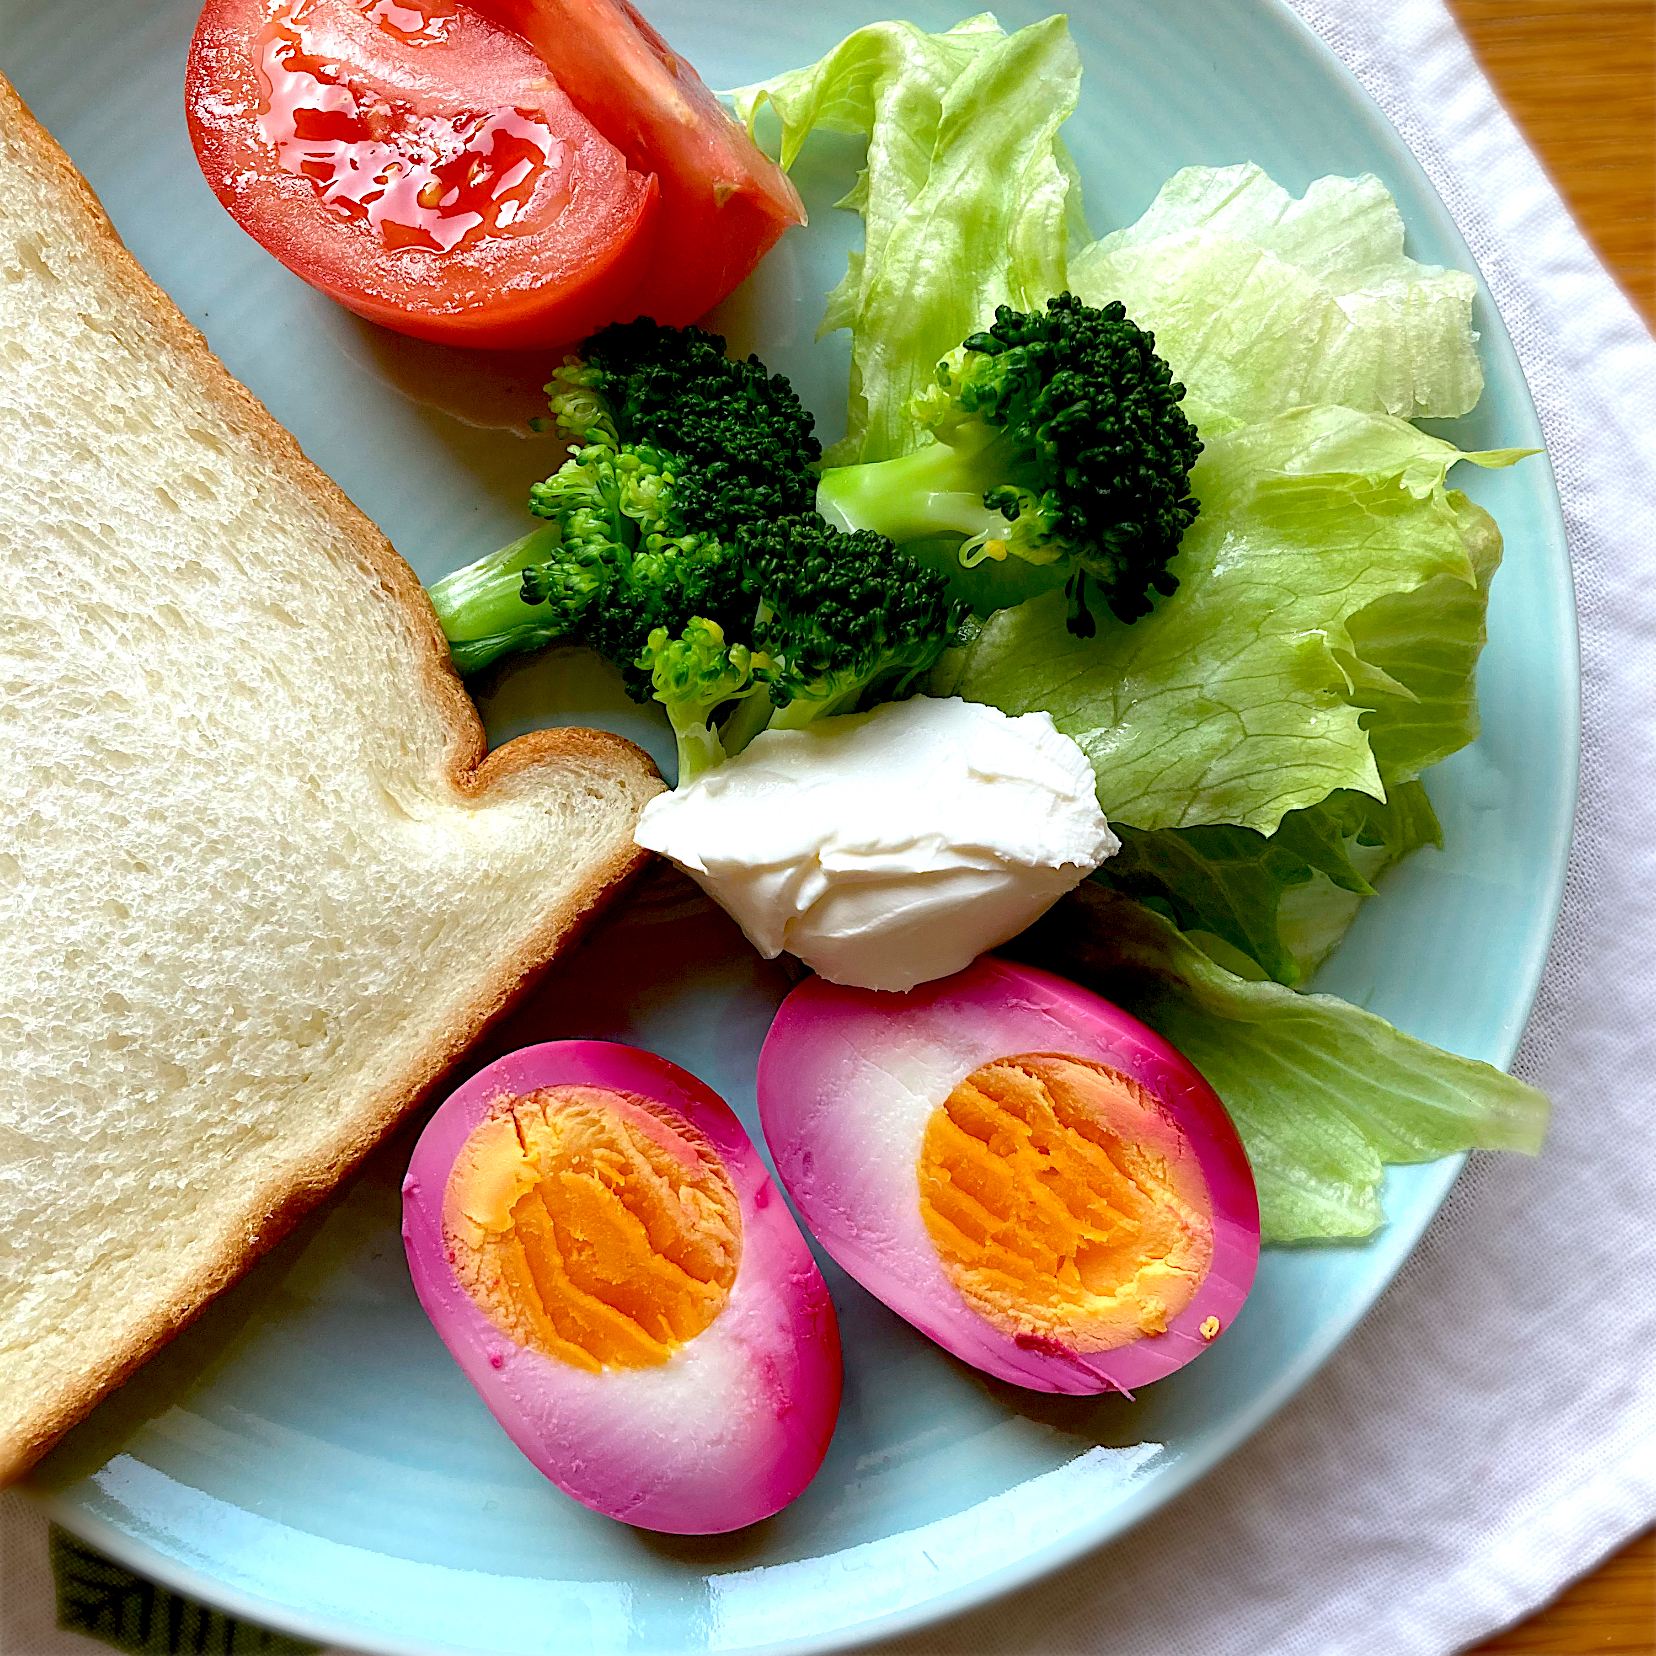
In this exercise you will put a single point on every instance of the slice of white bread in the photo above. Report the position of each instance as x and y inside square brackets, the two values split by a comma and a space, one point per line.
[259, 886]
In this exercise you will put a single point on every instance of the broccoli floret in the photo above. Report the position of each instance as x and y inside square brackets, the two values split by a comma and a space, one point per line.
[834, 619]
[685, 549]
[1059, 437]
[617, 508]
[676, 448]
[693, 676]
[842, 617]
[743, 441]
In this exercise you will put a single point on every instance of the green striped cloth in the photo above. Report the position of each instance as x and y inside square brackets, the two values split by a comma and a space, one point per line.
[98, 1597]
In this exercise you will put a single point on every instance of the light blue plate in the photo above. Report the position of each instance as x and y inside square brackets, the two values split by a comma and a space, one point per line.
[307, 1455]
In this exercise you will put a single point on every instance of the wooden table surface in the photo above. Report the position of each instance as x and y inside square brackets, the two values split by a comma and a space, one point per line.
[1580, 78]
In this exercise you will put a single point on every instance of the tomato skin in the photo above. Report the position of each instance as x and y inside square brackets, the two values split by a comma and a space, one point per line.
[724, 202]
[570, 263]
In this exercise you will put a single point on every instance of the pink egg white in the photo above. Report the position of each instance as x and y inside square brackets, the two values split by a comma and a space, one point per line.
[599, 1246]
[1033, 1178]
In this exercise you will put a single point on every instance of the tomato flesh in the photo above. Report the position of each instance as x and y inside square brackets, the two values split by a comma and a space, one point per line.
[417, 163]
[420, 179]
[724, 202]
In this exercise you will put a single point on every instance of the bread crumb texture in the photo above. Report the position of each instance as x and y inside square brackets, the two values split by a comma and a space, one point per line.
[255, 893]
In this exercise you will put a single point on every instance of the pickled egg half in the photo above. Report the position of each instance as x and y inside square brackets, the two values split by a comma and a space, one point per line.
[599, 1246]
[1029, 1175]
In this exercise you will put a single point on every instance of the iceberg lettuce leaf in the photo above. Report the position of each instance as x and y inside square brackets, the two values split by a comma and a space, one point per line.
[1229, 882]
[1261, 302]
[1244, 696]
[1426, 643]
[1274, 904]
[1323, 1093]
[1274, 900]
[1311, 919]
[968, 198]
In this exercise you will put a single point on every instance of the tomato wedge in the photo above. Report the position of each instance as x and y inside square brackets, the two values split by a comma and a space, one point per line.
[724, 202]
[416, 162]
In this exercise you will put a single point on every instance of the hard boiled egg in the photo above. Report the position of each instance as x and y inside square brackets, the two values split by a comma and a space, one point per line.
[1031, 1177]
[602, 1251]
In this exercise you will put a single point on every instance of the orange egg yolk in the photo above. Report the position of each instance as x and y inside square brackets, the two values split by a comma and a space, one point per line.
[593, 1227]
[1063, 1202]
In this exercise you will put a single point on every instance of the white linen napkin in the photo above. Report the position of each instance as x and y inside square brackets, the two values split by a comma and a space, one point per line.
[1490, 1431]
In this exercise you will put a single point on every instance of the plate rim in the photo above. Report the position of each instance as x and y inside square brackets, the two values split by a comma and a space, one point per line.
[139, 1556]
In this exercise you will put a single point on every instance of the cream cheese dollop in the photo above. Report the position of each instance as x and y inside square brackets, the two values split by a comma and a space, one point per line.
[888, 848]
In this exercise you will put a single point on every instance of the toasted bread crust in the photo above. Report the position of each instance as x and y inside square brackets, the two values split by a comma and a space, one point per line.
[474, 774]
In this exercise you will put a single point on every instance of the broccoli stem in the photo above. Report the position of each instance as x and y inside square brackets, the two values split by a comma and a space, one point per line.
[699, 747]
[937, 490]
[481, 607]
[752, 714]
[806, 710]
